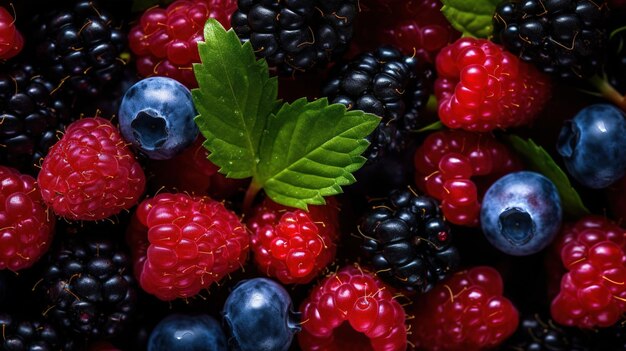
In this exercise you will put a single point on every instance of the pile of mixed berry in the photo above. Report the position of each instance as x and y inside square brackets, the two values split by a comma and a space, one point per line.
[328, 175]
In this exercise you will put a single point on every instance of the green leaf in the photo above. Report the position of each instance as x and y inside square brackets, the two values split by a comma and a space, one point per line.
[471, 17]
[142, 5]
[540, 161]
[431, 127]
[310, 151]
[234, 98]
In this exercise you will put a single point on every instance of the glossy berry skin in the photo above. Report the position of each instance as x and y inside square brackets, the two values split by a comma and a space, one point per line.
[296, 36]
[259, 317]
[156, 116]
[182, 244]
[592, 145]
[417, 27]
[593, 293]
[293, 245]
[11, 41]
[407, 241]
[521, 213]
[482, 87]
[20, 334]
[456, 167]
[466, 312]
[90, 173]
[564, 38]
[540, 334]
[352, 310]
[190, 333]
[26, 228]
[165, 39]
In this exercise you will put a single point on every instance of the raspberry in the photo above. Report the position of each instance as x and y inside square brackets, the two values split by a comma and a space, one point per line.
[165, 40]
[87, 283]
[481, 87]
[593, 293]
[564, 38]
[352, 310]
[90, 173]
[26, 229]
[182, 244]
[408, 242]
[457, 167]
[296, 36]
[416, 27]
[80, 46]
[11, 41]
[293, 245]
[33, 113]
[467, 312]
[386, 83]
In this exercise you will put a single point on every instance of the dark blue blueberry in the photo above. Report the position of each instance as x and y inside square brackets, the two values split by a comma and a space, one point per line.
[258, 316]
[593, 145]
[156, 116]
[521, 213]
[178, 332]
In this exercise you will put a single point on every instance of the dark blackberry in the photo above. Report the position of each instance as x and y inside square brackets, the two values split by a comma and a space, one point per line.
[408, 242]
[31, 335]
[80, 46]
[386, 83]
[536, 334]
[88, 285]
[32, 114]
[296, 35]
[566, 38]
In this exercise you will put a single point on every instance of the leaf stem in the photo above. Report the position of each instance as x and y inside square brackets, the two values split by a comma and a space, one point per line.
[608, 91]
[251, 193]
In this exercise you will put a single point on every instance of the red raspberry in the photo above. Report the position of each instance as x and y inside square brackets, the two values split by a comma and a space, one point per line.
[26, 229]
[466, 312]
[165, 40]
[352, 310]
[416, 27]
[593, 291]
[457, 167]
[90, 173]
[293, 245]
[11, 41]
[481, 87]
[182, 244]
[196, 178]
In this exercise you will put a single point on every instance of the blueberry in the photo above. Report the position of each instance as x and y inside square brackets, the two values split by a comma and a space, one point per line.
[592, 145]
[190, 333]
[258, 316]
[521, 213]
[156, 116]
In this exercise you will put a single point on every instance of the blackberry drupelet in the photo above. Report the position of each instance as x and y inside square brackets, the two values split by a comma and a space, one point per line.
[296, 35]
[88, 285]
[565, 38]
[408, 242]
[386, 83]
[535, 334]
[32, 114]
[80, 46]
[23, 335]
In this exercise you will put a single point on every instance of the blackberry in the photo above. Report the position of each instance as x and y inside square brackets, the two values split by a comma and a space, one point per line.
[296, 35]
[565, 38]
[386, 83]
[80, 46]
[23, 335]
[535, 334]
[408, 242]
[32, 114]
[88, 285]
